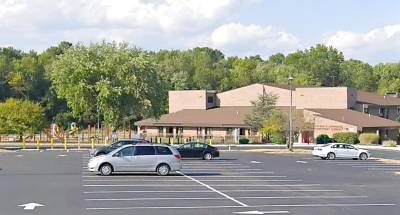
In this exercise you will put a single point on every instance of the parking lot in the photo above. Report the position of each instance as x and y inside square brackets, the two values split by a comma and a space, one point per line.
[237, 183]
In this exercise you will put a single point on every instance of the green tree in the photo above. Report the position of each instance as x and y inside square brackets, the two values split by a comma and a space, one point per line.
[21, 117]
[7, 56]
[263, 108]
[319, 65]
[119, 81]
[275, 123]
[388, 77]
[358, 74]
[27, 78]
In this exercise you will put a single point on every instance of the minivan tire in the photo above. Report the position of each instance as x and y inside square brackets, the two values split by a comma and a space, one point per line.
[163, 169]
[106, 169]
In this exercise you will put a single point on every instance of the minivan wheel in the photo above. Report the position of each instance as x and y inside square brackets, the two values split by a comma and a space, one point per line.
[163, 170]
[363, 156]
[207, 156]
[331, 156]
[106, 169]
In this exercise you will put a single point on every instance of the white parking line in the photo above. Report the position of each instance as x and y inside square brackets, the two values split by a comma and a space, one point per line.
[199, 191]
[356, 164]
[216, 166]
[262, 212]
[197, 176]
[380, 166]
[220, 198]
[176, 180]
[209, 164]
[202, 169]
[231, 173]
[195, 185]
[239, 206]
[213, 189]
[62, 155]
[383, 169]
[304, 162]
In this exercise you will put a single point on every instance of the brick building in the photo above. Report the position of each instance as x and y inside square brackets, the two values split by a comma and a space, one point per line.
[203, 113]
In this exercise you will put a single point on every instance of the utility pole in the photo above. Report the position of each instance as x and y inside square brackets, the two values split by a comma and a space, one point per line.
[290, 144]
[98, 120]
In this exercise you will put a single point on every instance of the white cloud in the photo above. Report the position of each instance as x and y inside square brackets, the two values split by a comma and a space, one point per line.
[37, 24]
[239, 39]
[377, 45]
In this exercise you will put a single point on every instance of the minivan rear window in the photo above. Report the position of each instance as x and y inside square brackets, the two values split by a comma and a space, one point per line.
[145, 150]
[162, 150]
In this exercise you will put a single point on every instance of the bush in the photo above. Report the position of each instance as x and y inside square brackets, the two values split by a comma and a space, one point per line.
[244, 141]
[278, 138]
[323, 139]
[346, 137]
[369, 138]
[389, 143]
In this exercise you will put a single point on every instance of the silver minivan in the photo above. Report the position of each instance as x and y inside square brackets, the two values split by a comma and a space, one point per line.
[142, 157]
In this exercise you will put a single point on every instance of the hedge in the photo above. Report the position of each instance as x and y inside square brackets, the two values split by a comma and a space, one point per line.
[323, 139]
[369, 138]
[243, 141]
[278, 138]
[346, 137]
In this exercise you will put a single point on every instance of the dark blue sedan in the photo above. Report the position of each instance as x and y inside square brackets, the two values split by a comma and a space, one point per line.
[198, 150]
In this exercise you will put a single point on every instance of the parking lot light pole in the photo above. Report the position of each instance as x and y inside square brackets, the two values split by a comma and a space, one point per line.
[290, 144]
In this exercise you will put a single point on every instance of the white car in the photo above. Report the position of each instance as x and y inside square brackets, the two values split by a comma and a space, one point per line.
[340, 150]
[141, 157]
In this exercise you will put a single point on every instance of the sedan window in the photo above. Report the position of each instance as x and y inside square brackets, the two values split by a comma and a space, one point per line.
[145, 150]
[200, 145]
[187, 146]
[128, 151]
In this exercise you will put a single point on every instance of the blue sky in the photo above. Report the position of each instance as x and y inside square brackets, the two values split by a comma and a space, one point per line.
[363, 29]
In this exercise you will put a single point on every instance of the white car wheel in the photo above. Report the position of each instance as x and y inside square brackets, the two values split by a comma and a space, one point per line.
[363, 156]
[331, 156]
[163, 170]
[106, 169]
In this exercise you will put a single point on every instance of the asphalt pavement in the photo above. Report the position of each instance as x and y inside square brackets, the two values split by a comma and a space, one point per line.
[237, 183]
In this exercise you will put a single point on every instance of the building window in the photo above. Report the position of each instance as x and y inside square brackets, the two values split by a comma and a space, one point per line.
[208, 131]
[160, 130]
[179, 130]
[199, 131]
[210, 99]
[381, 112]
[229, 131]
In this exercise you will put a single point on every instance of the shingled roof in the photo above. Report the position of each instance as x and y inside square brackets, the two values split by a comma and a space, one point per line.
[215, 117]
[373, 98]
[355, 118]
[225, 117]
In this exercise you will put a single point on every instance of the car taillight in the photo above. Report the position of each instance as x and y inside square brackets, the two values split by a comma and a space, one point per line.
[178, 157]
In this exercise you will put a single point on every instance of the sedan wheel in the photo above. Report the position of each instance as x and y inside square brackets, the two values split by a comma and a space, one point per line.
[106, 169]
[163, 170]
[207, 156]
[330, 156]
[363, 156]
